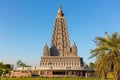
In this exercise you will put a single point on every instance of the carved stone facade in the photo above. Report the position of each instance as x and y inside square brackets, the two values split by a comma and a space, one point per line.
[60, 56]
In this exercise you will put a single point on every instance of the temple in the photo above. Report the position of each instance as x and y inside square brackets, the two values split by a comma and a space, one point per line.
[60, 59]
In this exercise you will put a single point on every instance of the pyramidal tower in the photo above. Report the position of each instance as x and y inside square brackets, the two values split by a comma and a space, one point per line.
[60, 44]
[60, 57]
[60, 40]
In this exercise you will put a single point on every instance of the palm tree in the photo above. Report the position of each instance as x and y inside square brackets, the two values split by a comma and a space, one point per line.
[107, 53]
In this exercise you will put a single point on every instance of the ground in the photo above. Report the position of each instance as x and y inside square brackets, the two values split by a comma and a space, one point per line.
[50, 79]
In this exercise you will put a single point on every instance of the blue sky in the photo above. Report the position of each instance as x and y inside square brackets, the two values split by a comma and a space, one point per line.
[26, 25]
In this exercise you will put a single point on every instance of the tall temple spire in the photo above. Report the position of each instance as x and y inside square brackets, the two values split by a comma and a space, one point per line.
[60, 41]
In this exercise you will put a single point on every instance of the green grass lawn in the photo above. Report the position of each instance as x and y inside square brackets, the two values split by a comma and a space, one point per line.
[50, 79]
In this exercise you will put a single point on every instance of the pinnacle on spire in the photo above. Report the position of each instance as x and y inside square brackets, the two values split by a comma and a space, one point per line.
[74, 49]
[46, 51]
[74, 44]
[60, 9]
[46, 44]
[60, 12]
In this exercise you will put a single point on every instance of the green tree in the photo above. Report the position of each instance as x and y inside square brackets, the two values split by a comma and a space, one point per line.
[5, 68]
[107, 53]
[86, 66]
[91, 65]
[19, 63]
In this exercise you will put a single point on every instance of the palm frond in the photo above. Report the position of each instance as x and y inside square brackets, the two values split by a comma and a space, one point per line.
[107, 53]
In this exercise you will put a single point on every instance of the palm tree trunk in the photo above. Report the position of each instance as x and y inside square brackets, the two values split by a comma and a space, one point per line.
[116, 75]
[103, 76]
